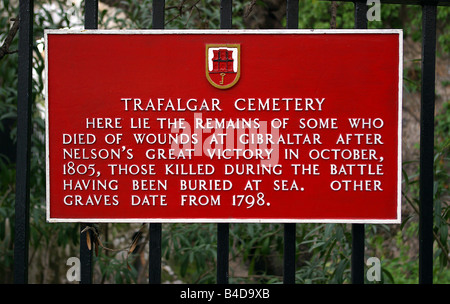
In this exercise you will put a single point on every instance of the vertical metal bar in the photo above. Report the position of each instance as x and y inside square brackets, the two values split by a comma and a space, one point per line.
[24, 101]
[358, 230]
[223, 241]
[90, 22]
[223, 229]
[91, 14]
[226, 14]
[361, 15]
[154, 270]
[292, 14]
[290, 228]
[158, 7]
[289, 254]
[357, 262]
[155, 229]
[154, 262]
[85, 256]
[427, 144]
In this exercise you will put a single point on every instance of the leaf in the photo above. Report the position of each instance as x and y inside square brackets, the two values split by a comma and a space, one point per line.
[327, 255]
[339, 272]
[328, 230]
[339, 233]
[184, 265]
[388, 274]
[266, 246]
[317, 245]
[405, 220]
[135, 242]
[88, 240]
[443, 229]
[405, 176]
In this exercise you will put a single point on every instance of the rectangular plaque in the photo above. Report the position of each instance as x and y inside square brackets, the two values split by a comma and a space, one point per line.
[224, 126]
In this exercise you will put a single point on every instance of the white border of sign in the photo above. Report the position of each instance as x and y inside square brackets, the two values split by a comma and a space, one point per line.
[399, 32]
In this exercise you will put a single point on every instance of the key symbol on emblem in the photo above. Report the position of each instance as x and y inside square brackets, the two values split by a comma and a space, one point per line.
[223, 75]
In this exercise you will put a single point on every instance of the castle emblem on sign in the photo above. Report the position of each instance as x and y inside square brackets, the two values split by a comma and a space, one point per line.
[223, 66]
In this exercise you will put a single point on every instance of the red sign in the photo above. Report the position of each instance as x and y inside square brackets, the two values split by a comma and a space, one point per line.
[224, 126]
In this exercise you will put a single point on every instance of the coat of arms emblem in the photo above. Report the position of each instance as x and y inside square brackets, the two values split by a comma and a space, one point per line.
[223, 66]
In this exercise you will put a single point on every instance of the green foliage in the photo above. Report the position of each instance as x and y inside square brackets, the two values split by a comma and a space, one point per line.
[329, 248]
[441, 186]
[443, 28]
[113, 268]
[187, 14]
[441, 208]
[8, 114]
[191, 250]
[316, 14]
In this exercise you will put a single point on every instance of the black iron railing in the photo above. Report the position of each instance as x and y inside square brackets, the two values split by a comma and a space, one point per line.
[21, 243]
